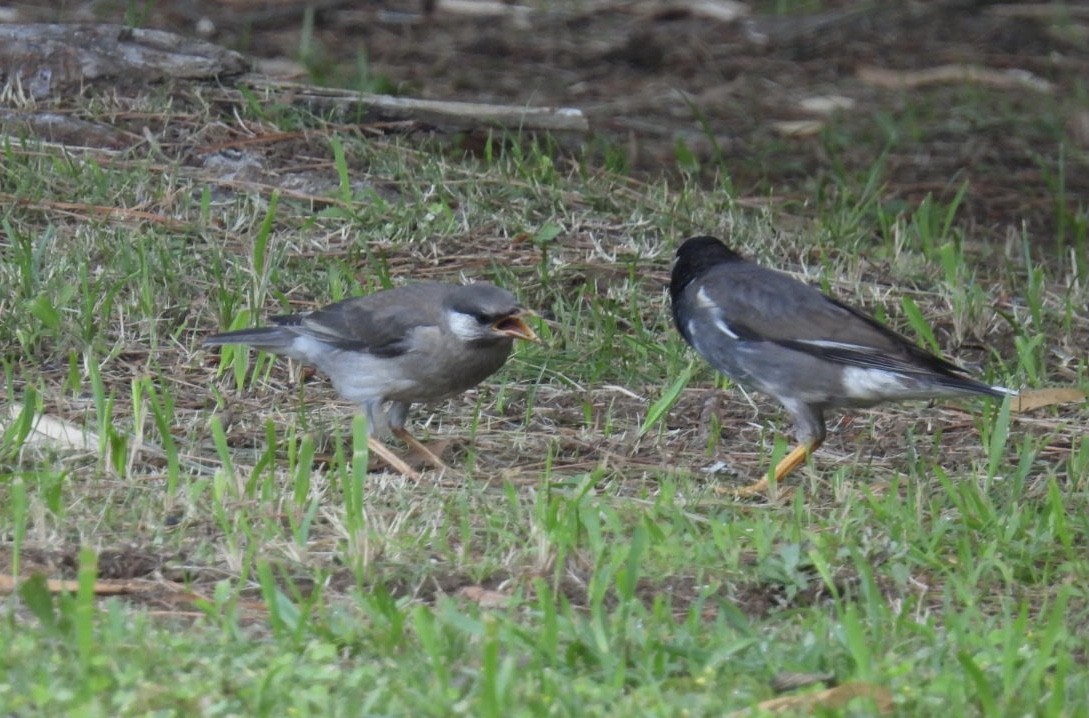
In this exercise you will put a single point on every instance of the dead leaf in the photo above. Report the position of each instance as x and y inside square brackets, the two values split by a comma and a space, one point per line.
[798, 128]
[837, 697]
[1031, 399]
[719, 10]
[826, 104]
[519, 15]
[417, 459]
[483, 597]
[787, 681]
[53, 432]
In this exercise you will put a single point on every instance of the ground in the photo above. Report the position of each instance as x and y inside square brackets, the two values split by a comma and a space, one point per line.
[668, 86]
[588, 543]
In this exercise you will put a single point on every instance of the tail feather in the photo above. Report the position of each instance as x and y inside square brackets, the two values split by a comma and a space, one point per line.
[270, 339]
[967, 385]
[1001, 391]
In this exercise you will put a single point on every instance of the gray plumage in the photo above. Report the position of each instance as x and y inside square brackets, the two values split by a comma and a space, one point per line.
[766, 330]
[417, 343]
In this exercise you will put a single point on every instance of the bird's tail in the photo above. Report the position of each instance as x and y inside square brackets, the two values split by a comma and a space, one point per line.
[967, 385]
[269, 339]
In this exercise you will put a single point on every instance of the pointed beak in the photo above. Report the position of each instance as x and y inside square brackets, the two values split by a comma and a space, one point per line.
[516, 327]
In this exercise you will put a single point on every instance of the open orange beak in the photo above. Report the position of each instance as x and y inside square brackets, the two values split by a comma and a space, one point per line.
[514, 326]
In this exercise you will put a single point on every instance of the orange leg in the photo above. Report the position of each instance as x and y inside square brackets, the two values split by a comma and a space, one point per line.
[419, 447]
[798, 456]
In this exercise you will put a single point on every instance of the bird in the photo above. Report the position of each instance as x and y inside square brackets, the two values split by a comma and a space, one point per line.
[810, 352]
[383, 352]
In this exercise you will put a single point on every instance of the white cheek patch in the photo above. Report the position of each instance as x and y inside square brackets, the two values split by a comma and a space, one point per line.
[871, 383]
[466, 327]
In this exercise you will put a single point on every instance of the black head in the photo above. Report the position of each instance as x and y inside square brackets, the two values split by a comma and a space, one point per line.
[696, 256]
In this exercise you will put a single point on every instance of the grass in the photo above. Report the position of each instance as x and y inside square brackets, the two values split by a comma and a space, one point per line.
[586, 565]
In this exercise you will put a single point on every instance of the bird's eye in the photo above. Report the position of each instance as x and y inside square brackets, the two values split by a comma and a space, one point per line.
[482, 317]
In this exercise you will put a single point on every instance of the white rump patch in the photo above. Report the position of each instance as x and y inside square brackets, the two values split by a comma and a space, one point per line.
[862, 383]
[306, 348]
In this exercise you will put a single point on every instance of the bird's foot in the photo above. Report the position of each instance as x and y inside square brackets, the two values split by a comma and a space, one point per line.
[797, 456]
[757, 490]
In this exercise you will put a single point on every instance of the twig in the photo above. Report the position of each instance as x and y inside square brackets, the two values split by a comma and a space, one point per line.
[437, 113]
[947, 74]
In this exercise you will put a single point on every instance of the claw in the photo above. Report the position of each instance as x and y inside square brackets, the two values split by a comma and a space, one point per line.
[798, 456]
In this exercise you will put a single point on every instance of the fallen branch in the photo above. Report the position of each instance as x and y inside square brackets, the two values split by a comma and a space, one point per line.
[39, 59]
[162, 592]
[46, 57]
[9, 585]
[369, 108]
[948, 74]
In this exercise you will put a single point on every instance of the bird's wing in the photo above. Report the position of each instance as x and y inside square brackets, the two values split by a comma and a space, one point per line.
[382, 324]
[759, 304]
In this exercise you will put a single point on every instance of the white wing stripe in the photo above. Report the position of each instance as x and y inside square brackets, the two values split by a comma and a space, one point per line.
[830, 344]
[725, 328]
[703, 300]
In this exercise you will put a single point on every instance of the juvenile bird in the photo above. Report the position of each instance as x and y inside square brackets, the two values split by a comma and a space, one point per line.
[769, 331]
[418, 343]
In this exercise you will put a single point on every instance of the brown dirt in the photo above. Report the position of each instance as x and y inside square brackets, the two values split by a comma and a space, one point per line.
[652, 75]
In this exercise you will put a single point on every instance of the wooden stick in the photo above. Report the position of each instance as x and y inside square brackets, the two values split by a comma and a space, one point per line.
[455, 115]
